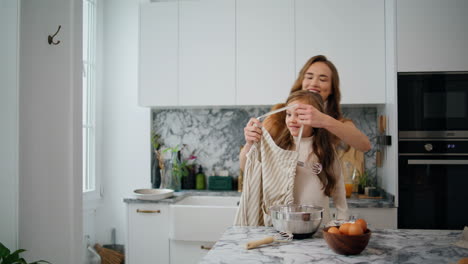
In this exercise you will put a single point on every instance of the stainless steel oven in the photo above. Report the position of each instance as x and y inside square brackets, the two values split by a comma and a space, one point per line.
[433, 183]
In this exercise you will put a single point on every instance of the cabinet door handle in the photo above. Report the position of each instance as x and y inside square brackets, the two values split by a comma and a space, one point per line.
[148, 211]
[205, 247]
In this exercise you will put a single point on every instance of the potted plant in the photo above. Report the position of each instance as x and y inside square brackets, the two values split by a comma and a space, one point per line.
[363, 182]
[8, 257]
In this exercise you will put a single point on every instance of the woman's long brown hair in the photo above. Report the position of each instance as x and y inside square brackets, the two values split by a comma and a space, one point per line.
[333, 107]
[322, 145]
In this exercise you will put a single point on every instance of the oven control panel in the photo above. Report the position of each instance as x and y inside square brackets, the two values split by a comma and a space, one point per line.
[453, 147]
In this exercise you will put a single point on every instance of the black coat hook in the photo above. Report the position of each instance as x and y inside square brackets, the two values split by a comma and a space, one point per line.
[50, 39]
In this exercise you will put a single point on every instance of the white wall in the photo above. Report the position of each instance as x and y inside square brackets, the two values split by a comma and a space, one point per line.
[9, 123]
[50, 131]
[124, 127]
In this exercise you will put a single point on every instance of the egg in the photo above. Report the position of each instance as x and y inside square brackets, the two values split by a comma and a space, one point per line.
[362, 223]
[334, 230]
[344, 228]
[355, 229]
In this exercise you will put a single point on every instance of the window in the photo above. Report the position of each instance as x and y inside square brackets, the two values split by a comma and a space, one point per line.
[89, 97]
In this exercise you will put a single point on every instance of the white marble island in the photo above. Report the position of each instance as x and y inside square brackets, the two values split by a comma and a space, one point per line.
[385, 246]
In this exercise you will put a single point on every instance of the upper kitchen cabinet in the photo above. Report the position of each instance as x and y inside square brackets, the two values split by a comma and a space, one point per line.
[207, 52]
[352, 35]
[158, 54]
[265, 51]
[187, 53]
[432, 35]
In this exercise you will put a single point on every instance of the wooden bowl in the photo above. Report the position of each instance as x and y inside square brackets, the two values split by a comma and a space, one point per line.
[347, 245]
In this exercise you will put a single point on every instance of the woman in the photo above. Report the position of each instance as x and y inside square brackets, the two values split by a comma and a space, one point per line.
[318, 75]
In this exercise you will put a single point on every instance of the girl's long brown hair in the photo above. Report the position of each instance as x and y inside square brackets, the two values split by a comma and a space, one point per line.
[322, 145]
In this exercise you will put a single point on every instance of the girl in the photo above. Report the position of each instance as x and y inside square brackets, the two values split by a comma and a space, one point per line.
[304, 185]
[316, 146]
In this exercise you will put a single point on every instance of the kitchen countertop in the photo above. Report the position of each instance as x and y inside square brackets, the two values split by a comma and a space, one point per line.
[385, 246]
[353, 202]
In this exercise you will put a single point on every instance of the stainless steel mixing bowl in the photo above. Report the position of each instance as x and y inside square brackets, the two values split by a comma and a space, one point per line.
[300, 220]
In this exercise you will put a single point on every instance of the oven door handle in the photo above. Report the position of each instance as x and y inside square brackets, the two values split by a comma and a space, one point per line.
[437, 162]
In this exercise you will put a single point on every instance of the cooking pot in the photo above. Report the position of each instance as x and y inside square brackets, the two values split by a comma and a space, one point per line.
[300, 220]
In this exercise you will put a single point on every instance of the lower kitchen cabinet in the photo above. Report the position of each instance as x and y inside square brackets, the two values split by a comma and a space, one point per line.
[380, 218]
[186, 252]
[147, 233]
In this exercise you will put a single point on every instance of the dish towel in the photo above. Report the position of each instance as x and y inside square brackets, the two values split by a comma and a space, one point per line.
[268, 180]
[463, 242]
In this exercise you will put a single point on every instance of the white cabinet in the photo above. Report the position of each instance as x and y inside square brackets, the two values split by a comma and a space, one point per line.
[187, 53]
[158, 54]
[207, 52]
[265, 51]
[187, 252]
[241, 52]
[197, 222]
[432, 35]
[381, 218]
[148, 233]
[352, 35]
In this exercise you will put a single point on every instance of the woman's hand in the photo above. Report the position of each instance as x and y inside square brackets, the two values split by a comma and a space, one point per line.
[310, 116]
[345, 131]
[253, 131]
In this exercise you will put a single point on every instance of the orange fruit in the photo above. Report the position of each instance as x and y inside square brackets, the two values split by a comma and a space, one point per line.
[344, 228]
[355, 230]
[334, 230]
[362, 223]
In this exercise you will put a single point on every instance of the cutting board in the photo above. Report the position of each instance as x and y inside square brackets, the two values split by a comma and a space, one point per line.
[354, 157]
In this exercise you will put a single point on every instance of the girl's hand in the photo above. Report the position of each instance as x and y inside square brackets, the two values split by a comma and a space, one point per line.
[310, 116]
[253, 131]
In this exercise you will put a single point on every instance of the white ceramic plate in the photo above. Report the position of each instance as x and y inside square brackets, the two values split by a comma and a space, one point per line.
[153, 194]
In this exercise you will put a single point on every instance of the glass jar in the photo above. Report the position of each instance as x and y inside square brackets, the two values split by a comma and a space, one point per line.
[349, 173]
[172, 172]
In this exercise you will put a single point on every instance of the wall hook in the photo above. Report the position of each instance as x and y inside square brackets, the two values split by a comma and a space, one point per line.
[50, 39]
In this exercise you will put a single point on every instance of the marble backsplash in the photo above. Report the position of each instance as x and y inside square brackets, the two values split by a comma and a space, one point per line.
[215, 135]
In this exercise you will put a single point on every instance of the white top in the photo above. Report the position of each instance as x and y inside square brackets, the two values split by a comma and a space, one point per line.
[308, 187]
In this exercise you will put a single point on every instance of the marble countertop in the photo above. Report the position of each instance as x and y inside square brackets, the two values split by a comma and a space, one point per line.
[353, 202]
[385, 246]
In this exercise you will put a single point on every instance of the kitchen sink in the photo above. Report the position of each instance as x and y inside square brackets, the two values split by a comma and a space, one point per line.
[202, 218]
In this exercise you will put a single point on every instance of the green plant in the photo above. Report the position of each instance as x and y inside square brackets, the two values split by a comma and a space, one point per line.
[179, 168]
[155, 140]
[6, 257]
[363, 179]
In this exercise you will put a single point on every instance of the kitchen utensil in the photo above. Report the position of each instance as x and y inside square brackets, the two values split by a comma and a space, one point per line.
[153, 194]
[300, 220]
[346, 244]
[315, 166]
[280, 237]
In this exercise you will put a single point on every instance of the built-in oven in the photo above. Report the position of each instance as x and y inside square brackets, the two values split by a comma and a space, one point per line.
[433, 101]
[433, 183]
[433, 150]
